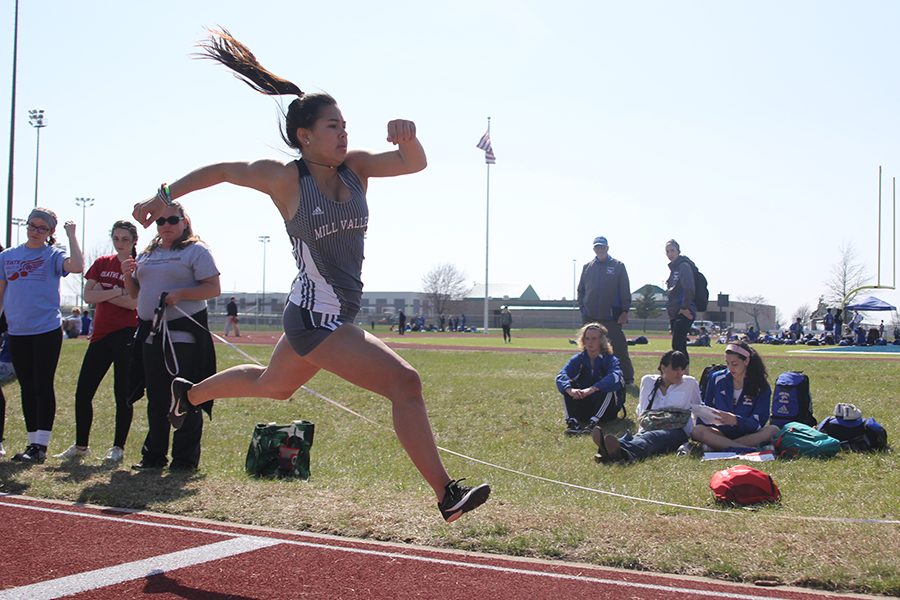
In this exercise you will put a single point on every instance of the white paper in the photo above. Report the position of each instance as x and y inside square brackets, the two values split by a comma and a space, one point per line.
[764, 456]
[706, 414]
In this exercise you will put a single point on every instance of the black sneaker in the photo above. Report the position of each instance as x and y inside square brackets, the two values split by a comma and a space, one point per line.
[33, 453]
[177, 466]
[459, 499]
[572, 427]
[149, 465]
[180, 406]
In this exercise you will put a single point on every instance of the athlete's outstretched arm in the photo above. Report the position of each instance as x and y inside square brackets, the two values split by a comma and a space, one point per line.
[266, 176]
[409, 157]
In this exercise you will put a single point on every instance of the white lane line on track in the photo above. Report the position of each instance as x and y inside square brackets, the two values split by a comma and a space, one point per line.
[140, 569]
[397, 555]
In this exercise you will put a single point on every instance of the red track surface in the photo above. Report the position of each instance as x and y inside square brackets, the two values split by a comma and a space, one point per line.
[54, 550]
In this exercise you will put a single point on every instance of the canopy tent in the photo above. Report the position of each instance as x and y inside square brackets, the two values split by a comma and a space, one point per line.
[871, 303]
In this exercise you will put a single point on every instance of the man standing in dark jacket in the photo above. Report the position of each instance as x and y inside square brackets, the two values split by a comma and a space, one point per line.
[604, 296]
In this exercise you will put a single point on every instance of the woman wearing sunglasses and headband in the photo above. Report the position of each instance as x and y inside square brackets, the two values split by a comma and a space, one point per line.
[115, 320]
[29, 288]
[322, 200]
[741, 400]
[178, 264]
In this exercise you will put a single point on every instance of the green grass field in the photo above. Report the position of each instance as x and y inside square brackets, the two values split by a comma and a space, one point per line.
[503, 408]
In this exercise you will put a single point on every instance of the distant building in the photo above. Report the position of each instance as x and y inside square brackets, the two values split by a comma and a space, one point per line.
[526, 306]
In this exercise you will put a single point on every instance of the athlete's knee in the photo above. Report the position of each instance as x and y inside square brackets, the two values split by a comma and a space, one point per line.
[407, 383]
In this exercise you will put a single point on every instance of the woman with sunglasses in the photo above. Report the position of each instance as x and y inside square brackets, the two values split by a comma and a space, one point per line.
[29, 295]
[170, 343]
[322, 200]
[115, 320]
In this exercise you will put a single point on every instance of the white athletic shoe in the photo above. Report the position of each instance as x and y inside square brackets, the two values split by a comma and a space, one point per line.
[115, 455]
[73, 452]
[2, 450]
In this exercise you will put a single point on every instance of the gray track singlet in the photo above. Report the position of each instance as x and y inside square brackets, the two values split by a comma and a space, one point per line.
[328, 239]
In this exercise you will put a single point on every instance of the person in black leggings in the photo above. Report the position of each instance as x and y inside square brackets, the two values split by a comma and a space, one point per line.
[180, 265]
[29, 286]
[115, 320]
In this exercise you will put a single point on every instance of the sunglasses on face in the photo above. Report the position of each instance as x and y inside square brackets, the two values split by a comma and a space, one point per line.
[38, 228]
[173, 220]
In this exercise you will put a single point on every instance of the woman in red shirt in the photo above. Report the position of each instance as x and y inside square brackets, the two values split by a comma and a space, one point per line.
[115, 320]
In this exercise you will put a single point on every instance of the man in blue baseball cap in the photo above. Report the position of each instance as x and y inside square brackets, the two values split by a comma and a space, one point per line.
[604, 296]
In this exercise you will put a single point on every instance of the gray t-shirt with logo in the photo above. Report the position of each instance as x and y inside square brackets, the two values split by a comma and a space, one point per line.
[165, 270]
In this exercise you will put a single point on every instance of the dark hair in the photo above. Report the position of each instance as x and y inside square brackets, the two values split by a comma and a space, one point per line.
[757, 377]
[303, 112]
[187, 237]
[674, 244]
[130, 228]
[675, 359]
[51, 241]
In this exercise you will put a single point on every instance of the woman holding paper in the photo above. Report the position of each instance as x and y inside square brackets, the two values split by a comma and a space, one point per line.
[664, 414]
[740, 399]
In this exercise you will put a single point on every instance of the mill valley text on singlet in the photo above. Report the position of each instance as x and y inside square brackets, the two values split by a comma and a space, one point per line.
[328, 238]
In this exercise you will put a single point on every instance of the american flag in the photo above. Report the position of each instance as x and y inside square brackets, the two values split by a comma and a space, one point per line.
[485, 144]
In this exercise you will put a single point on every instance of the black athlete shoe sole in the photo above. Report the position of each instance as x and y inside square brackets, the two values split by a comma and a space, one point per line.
[474, 498]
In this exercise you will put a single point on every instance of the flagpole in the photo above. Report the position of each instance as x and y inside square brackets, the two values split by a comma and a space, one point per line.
[487, 233]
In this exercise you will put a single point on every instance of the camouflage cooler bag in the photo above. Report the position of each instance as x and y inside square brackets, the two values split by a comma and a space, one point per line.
[280, 450]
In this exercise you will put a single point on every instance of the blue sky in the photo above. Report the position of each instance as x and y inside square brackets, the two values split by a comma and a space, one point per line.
[751, 132]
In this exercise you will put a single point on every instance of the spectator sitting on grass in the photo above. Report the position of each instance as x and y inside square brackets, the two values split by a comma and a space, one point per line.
[741, 400]
[72, 324]
[664, 413]
[702, 338]
[590, 382]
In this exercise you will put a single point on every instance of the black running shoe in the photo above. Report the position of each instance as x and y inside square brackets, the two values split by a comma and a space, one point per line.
[180, 406]
[33, 453]
[147, 464]
[459, 499]
[572, 427]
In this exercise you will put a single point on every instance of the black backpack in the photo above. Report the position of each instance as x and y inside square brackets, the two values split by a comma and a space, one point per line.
[701, 286]
[791, 400]
[705, 377]
[860, 434]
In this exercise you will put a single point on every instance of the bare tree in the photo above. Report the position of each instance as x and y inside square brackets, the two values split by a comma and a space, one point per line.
[443, 283]
[847, 274]
[803, 313]
[755, 307]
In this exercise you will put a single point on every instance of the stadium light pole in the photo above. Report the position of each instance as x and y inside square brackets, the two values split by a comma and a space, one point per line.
[19, 223]
[36, 119]
[12, 129]
[83, 203]
[264, 240]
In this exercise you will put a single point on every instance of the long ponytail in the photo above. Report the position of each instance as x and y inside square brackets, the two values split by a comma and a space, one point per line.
[223, 48]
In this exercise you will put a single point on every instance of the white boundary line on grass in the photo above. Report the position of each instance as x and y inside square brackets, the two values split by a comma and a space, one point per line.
[556, 481]
[241, 543]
